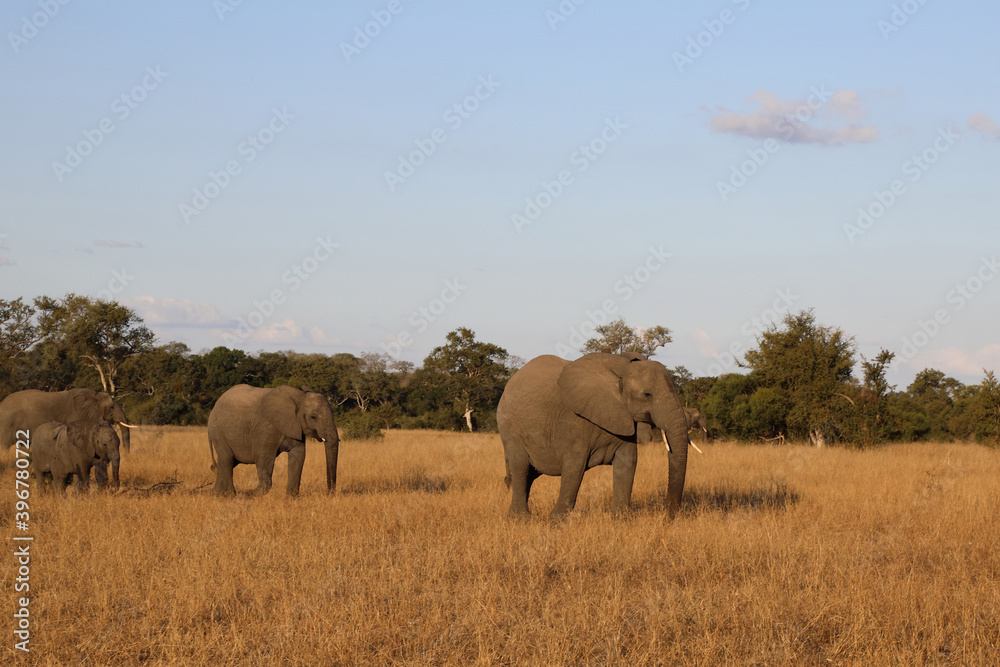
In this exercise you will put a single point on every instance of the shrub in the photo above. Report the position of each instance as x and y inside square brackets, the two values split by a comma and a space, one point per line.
[357, 425]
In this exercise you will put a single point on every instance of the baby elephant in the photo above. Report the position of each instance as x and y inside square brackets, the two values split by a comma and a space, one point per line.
[65, 450]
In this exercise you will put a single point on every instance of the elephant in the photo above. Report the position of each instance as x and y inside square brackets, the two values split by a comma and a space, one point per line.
[29, 409]
[254, 425]
[696, 420]
[561, 418]
[71, 449]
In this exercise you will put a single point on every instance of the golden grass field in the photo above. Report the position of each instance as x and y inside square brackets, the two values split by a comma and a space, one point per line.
[781, 556]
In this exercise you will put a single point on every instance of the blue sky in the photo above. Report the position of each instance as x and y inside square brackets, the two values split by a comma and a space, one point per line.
[271, 177]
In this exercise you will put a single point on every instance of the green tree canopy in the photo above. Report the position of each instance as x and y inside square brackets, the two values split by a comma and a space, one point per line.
[619, 338]
[473, 373]
[808, 365]
[101, 335]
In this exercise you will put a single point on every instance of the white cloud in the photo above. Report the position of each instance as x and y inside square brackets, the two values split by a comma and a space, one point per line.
[958, 360]
[980, 122]
[706, 346]
[118, 244]
[798, 121]
[847, 103]
[319, 337]
[171, 312]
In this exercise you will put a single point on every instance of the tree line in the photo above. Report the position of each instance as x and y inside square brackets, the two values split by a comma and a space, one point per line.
[803, 381]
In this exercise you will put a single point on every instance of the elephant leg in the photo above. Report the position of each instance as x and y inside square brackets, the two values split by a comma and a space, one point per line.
[224, 473]
[83, 479]
[101, 475]
[59, 482]
[265, 468]
[520, 476]
[624, 474]
[296, 458]
[115, 465]
[569, 487]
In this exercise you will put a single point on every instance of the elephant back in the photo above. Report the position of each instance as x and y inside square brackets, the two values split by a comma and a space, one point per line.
[46, 442]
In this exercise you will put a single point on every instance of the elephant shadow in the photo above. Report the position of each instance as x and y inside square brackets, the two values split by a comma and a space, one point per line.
[726, 499]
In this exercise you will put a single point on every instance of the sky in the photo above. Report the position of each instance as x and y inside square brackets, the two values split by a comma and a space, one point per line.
[368, 176]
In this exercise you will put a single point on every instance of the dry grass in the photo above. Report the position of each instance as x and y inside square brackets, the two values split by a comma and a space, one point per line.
[781, 556]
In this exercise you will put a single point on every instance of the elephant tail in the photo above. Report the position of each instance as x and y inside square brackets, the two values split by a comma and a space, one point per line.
[211, 450]
[506, 479]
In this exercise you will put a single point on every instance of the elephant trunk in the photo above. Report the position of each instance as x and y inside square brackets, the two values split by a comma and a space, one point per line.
[125, 440]
[332, 452]
[118, 415]
[674, 426]
[115, 457]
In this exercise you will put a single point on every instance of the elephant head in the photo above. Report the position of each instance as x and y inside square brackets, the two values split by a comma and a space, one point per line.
[618, 392]
[101, 407]
[104, 445]
[696, 420]
[300, 413]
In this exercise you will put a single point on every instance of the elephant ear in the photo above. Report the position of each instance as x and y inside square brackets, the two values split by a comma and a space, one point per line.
[280, 407]
[591, 387]
[58, 431]
[81, 436]
[85, 402]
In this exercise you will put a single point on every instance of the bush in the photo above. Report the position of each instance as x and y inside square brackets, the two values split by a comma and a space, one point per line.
[357, 425]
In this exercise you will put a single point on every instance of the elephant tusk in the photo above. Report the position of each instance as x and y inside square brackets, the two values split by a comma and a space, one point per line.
[127, 425]
[691, 442]
[665, 443]
[322, 439]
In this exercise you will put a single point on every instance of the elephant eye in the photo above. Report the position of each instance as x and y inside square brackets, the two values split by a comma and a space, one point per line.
[647, 395]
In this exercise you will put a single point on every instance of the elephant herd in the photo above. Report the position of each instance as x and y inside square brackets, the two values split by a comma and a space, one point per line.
[72, 432]
[555, 417]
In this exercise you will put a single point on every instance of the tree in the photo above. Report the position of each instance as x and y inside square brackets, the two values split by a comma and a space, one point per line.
[102, 334]
[875, 398]
[809, 365]
[619, 338]
[988, 410]
[220, 369]
[473, 373]
[18, 329]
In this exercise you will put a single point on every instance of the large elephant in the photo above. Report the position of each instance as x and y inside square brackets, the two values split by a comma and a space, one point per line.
[29, 409]
[64, 450]
[254, 425]
[561, 418]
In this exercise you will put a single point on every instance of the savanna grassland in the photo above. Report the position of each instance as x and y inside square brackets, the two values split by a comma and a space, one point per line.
[780, 556]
